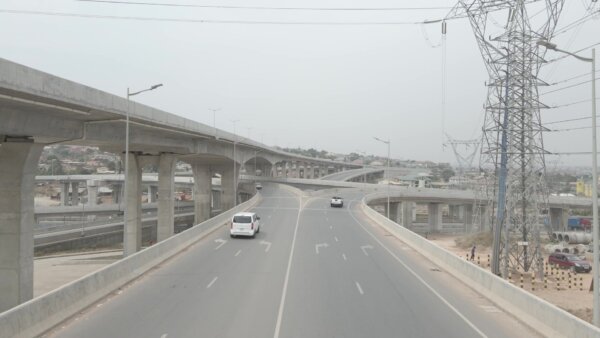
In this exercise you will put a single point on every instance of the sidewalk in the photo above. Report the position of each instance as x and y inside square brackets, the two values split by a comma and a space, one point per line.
[52, 272]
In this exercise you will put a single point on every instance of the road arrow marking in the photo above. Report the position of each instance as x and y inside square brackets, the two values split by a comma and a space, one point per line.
[268, 244]
[321, 245]
[220, 240]
[364, 249]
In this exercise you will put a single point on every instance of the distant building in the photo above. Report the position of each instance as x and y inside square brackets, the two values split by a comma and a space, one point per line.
[421, 180]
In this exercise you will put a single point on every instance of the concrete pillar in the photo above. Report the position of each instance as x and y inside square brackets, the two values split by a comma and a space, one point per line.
[434, 217]
[485, 218]
[394, 212]
[407, 214]
[152, 193]
[132, 234]
[18, 166]
[166, 196]
[468, 217]
[74, 193]
[92, 191]
[64, 194]
[559, 219]
[227, 177]
[117, 192]
[203, 191]
[311, 171]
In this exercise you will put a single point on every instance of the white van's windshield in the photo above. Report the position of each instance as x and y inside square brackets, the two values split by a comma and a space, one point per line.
[242, 219]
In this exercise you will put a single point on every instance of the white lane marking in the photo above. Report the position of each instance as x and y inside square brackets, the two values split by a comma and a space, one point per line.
[336, 239]
[237, 253]
[330, 227]
[455, 310]
[490, 308]
[220, 240]
[360, 290]
[287, 277]
[320, 245]
[364, 249]
[268, 244]
[344, 257]
[164, 336]
[212, 282]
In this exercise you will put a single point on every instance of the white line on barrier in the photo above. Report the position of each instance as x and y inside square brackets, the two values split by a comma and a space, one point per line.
[455, 310]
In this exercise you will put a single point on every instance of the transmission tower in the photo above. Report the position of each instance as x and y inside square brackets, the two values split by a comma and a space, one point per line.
[512, 147]
[464, 151]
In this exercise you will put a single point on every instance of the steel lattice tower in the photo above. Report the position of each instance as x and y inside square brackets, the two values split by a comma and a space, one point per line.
[512, 146]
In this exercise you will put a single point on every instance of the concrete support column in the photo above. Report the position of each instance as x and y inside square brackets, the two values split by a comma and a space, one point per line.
[311, 171]
[132, 234]
[468, 217]
[92, 191]
[117, 193]
[227, 176]
[64, 194]
[485, 217]
[74, 193]
[152, 193]
[435, 217]
[18, 166]
[407, 214]
[166, 196]
[559, 219]
[203, 191]
[394, 212]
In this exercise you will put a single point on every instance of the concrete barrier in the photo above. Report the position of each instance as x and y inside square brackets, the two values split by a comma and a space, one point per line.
[544, 317]
[40, 314]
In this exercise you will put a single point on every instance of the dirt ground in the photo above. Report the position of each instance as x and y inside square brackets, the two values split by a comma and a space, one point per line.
[569, 291]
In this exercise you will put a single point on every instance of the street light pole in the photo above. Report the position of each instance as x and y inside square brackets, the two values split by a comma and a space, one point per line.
[125, 185]
[234, 166]
[387, 173]
[595, 229]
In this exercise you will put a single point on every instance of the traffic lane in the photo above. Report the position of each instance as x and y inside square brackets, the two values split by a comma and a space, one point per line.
[182, 297]
[331, 296]
[477, 309]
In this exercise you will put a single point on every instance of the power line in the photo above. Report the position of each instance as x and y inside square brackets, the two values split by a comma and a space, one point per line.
[572, 103]
[567, 87]
[208, 21]
[573, 78]
[569, 120]
[162, 4]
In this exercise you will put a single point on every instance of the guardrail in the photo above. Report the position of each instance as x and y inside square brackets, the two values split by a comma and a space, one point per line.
[40, 314]
[545, 317]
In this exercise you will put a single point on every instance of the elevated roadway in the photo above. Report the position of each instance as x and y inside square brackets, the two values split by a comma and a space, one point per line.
[312, 271]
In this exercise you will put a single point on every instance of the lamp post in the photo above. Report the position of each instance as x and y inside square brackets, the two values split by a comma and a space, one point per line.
[595, 236]
[126, 186]
[387, 174]
[234, 166]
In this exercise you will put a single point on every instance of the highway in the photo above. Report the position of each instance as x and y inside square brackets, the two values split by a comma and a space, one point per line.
[312, 271]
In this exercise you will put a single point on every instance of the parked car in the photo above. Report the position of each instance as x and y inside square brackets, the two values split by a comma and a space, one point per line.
[258, 186]
[245, 224]
[569, 261]
[337, 202]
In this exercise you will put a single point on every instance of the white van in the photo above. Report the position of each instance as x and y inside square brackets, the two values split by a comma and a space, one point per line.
[244, 224]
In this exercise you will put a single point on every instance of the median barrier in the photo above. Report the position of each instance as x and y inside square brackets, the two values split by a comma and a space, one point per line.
[539, 314]
[40, 314]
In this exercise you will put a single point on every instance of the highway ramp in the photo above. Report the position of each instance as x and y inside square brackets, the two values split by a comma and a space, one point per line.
[312, 271]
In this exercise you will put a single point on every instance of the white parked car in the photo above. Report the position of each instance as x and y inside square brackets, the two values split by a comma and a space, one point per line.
[337, 202]
[244, 224]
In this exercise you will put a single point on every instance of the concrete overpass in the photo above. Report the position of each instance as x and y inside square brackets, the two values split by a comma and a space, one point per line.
[39, 109]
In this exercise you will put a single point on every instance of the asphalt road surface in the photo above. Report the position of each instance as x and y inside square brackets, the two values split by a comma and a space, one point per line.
[312, 271]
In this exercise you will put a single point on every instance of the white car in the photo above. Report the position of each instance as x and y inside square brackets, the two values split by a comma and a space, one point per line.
[337, 202]
[244, 224]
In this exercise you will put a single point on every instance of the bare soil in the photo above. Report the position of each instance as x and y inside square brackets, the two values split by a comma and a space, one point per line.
[569, 291]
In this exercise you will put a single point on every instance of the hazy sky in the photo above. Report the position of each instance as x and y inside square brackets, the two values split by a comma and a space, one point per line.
[330, 87]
